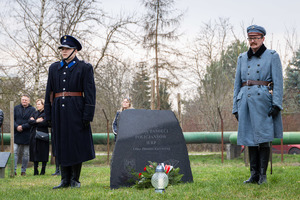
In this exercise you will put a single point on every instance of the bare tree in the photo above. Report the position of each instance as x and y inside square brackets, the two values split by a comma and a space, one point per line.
[31, 41]
[213, 66]
[113, 82]
[35, 39]
[161, 25]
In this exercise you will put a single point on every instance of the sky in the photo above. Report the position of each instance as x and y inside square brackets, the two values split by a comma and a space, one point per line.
[276, 16]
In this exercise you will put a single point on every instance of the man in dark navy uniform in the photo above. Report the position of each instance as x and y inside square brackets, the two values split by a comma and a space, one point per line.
[69, 107]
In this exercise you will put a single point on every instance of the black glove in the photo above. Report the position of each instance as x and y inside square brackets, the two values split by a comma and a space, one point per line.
[86, 123]
[236, 114]
[274, 111]
[49, 123]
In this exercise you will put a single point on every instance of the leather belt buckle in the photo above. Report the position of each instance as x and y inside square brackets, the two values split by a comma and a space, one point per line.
[248, 83]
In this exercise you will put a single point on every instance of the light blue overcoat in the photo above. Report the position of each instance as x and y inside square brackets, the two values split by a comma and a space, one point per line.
[253, 103]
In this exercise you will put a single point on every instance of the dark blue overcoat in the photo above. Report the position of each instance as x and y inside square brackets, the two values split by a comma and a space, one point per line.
[73, 141]
[21, 117]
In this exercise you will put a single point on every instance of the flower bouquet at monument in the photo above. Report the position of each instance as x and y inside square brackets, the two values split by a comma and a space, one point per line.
[143, 179]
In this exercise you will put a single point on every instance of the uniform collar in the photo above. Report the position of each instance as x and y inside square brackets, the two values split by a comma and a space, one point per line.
[257, 54]
[70, 64]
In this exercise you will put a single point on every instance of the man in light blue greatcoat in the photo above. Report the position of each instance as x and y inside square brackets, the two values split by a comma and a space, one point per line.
[257, 101]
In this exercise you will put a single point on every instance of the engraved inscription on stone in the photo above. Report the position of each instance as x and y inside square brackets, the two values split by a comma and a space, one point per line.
[149, 140]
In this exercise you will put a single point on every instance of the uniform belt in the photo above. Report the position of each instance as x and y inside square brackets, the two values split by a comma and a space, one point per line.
[68, 94]
[250, 82]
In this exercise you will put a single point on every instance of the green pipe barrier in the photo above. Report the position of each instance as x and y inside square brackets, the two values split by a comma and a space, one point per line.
[288, 138]
[206, 137]
[101, 138]
[193, 138]
[98, 138]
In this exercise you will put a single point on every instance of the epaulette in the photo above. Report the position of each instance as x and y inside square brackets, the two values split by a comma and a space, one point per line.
[242, 54]
[85, 62]
[55, 63]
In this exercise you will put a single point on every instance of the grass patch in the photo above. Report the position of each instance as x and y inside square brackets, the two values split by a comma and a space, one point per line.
[212, 180]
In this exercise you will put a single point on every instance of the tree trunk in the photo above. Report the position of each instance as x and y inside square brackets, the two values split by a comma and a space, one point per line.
[156, 57]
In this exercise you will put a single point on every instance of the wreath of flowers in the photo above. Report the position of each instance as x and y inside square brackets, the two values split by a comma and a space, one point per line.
[143, 179]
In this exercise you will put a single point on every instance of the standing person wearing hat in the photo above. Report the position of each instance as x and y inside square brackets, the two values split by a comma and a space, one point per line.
[69, 108]
[257, 101]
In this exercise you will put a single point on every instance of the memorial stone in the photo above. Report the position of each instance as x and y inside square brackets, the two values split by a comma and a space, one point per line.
[4, 156]
[147, 135]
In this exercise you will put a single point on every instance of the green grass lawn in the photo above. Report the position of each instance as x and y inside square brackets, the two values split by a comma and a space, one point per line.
[212, 180]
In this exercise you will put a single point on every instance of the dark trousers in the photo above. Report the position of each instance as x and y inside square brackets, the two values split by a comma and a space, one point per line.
[36, 166]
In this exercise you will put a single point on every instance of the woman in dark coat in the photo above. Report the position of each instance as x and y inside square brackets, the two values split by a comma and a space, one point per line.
[126, 104]
[39, 149]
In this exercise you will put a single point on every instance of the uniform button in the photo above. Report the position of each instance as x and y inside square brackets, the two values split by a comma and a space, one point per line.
[258, 79]
[66, 67]
[248, 73]
[248, 66]
[64, 88]
[63, 97]
[64, 80]
[257, 71]
[248, 88]
[65, 73]
[62, 105]
[258, 65]
[249, 95]
[258, 94]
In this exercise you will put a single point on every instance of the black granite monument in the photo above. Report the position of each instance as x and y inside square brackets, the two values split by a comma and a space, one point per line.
[147, 135]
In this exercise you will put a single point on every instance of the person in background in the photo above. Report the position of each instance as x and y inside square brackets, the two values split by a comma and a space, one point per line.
[69, 108]
[1, 118]
[38, 149]
[1, 121]
[126, 104]
[22, 114]
[257, 102]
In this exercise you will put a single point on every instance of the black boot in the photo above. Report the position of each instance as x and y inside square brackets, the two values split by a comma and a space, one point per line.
[76, 169]
[254, 165]
[57, 171]
[66, 173]
[264, 154]
[36, 166]
[43, 168]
